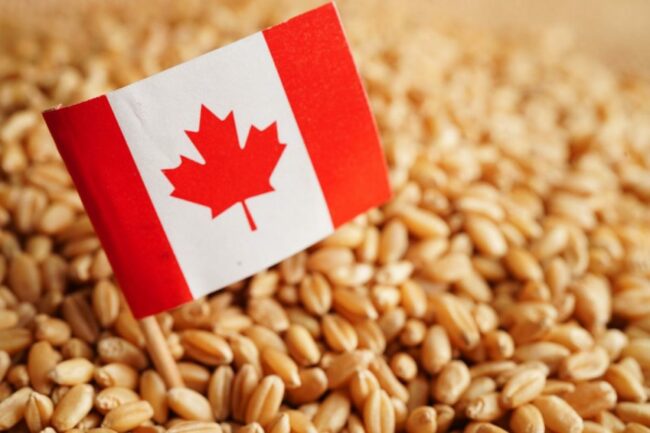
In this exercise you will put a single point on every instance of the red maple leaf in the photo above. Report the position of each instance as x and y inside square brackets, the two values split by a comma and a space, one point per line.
[230, 174]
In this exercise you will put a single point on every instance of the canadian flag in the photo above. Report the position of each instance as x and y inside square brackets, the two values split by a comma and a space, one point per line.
[217, 168]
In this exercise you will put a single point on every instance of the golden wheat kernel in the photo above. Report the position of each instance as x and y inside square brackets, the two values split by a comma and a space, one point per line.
[24, 278]
[436, 349]
[106, 303]
[339, 333]
[244, 383]
[486, 407]
[315, 294]
[353, 304]
[189, 404]
[41, 360]
[523, 265]
[634, 427]
[327, 258]
[404, 366]
[73, 407]
[313, 384]
[634, 412]
[379, 413]
[112, 397]
[269, 313]
[457, 320]
[450, 268]
[591, 398]
[13, 408]
[332, 413]
[73, 372]
[486, 235]
[54, 330]
[38, 412]
[116, 374]
[192, 427]
[194, 375]
[393, 241]
[206, 347]
[527, 419]
[585, 365]
[523, 388]
[281, 364]
[128, 416]
[558, 415]
[387, 380]
[451, 382]
[423, 223]
[265, 400]
[18, 376]
[80, 317]
[392, 323]
[77, 348]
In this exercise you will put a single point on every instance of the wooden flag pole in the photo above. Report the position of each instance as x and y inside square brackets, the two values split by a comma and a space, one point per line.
[160, 354]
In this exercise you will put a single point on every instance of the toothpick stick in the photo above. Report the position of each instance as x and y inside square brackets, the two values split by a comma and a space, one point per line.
[159, 352]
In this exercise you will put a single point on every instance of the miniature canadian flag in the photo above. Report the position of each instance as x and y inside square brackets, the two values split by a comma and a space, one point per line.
[217, 168]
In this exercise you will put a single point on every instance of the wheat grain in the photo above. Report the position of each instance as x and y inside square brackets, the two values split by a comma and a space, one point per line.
[189, 404]
[106, 303]
[436, 349]
[378, 413]
[219, 392]
[80, 317]
[487, 407]
[206, 347]
[265, 400]
[590, 398]
[24, 278]
[370, 336]
[128, 416]
[387, 380]
[628, 386]
[268, 313]
[332, 413]
[154, 391]
[14, 340]
[522, 388]
[452, 381]
[527, 419]
[558, 415]
[339, 333]
[112, 397]
[116, 374]
[13, 408]
[634, 412]
[282, 365]
[38, 412]
[457, 321]
[313, 384]
[73, 371]
[422, 420]
[302, 346]
[73, 407]
[344, 366]
[194, 375]
[57, 332]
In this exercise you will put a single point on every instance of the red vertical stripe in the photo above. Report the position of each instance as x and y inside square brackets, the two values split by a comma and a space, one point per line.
[104, 172]
[317, 71]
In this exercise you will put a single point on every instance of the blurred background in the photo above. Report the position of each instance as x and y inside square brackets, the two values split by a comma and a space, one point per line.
[618, 32]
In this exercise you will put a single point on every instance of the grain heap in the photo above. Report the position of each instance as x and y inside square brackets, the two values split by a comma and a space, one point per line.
[506, 287]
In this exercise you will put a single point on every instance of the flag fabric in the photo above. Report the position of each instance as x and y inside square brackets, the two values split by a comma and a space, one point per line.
[219, 167]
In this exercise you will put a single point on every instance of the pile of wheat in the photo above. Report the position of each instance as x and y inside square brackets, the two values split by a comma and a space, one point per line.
[505, 287]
